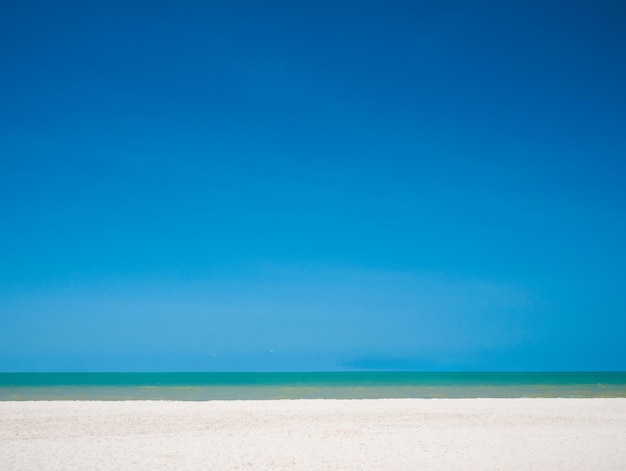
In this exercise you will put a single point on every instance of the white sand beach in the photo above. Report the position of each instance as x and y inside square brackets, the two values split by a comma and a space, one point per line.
[390, 434]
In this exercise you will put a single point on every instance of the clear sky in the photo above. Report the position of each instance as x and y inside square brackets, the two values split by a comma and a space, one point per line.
[312, 185]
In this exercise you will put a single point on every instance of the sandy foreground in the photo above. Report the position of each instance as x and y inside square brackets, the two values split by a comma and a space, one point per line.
[390, 434]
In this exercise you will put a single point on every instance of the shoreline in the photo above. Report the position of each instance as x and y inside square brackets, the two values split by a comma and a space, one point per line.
[308, 385]
[477, 433]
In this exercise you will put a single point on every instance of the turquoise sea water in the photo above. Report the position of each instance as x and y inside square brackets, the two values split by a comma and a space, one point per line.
[340, 385]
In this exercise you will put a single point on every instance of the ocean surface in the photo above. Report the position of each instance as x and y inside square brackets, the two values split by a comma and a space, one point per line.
[336, 385]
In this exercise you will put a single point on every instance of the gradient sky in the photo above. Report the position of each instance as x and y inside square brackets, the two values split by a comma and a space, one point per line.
[312, 185]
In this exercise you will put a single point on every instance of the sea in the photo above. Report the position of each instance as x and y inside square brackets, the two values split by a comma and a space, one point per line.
[331, 385]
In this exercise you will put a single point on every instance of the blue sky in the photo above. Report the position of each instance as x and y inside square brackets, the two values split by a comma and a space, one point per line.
[246, 185]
